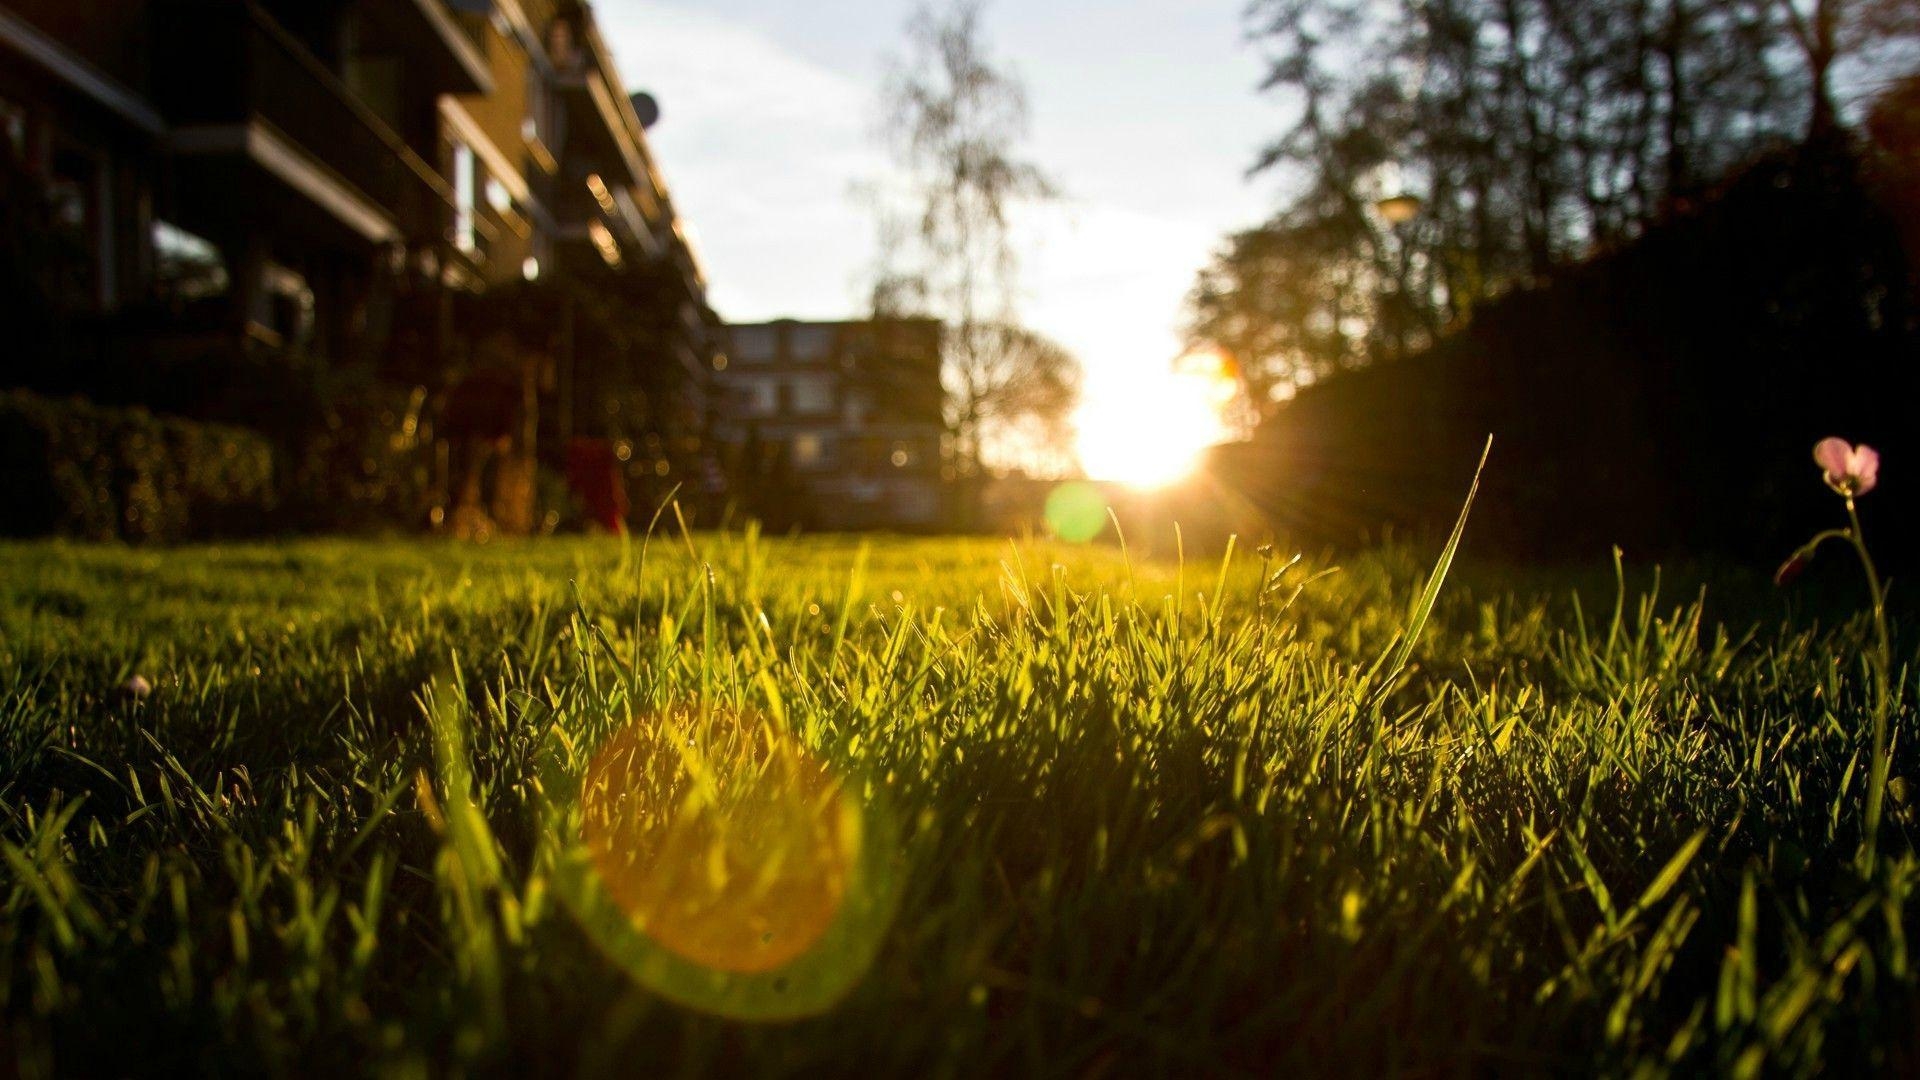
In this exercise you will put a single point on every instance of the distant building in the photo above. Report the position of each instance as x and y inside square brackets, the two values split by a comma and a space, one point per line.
[342, 178]
[847, 414]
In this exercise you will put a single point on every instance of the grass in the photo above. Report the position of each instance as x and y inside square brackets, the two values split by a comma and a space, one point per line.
[1136, 818]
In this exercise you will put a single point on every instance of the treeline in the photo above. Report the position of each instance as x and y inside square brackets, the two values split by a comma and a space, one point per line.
[1439, 153]
[1663, 397]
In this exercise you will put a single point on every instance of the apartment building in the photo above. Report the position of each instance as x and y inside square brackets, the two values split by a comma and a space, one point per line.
[849, 413]
[350, 178]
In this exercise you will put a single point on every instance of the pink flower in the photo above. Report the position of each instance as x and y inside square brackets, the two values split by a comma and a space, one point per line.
[1850, 470]
[1791, 570]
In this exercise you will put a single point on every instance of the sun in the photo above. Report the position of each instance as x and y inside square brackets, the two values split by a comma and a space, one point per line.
[1151, 432]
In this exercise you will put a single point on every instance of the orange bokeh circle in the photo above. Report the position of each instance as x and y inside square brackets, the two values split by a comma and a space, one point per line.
[722, 839]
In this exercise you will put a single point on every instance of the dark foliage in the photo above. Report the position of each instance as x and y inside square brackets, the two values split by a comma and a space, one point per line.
[344, 446]
[1663, 397]
[78, 469]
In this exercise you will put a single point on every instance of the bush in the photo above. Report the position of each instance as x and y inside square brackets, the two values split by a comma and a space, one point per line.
[344, 442]
[73, 468]
[359, 464]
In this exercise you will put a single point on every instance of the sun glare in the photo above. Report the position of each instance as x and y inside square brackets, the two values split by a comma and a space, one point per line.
[1151, 432]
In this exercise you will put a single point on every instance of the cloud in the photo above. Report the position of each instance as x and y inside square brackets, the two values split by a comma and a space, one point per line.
[760, 147]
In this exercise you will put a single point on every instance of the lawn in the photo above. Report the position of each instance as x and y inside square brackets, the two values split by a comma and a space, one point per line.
[724, 804]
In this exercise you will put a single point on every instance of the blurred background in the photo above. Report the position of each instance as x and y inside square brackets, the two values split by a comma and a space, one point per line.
[515, 267]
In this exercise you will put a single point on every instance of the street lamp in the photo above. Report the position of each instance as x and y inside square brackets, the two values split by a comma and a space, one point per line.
[1399, 209]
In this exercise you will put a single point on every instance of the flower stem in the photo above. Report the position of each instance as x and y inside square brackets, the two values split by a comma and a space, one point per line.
[1882, 676]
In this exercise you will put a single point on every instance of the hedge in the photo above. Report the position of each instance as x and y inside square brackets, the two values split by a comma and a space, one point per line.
[1663, 397]
[72, 468]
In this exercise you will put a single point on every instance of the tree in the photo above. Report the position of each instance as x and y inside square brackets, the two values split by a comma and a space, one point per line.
[955, 121]
[1015, 392]
[1828, 33]
[1285, 302]
[1532, 132]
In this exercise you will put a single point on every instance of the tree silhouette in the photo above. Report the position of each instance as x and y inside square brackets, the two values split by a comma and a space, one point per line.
[955, 121]
[1533, 132]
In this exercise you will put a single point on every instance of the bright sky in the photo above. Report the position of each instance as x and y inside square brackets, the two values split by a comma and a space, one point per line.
[1144, 112]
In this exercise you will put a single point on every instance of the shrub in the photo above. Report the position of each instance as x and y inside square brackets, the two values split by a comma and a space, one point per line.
[359, 464]
[343, 441]
[73, 468]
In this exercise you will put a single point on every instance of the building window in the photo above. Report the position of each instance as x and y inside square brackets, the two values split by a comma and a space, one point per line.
[286, 307]
[13, 125]
[854, 410]
[812, 397]
[541, 124]
[187, 268]
[464, 236]
[809, 450]
[811, 343]
[762, 398]
[499, 197]
[755, 344]
[78, 187]
[71, 192]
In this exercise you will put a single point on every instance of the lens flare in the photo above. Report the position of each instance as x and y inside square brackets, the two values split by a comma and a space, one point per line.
[723, 864]
[739, 866]
[1076, 512]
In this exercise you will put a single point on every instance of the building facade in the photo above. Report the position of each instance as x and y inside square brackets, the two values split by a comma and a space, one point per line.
[842, 419]
[352, 180]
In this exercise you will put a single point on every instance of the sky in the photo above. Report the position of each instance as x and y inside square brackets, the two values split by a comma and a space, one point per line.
[1145, 113]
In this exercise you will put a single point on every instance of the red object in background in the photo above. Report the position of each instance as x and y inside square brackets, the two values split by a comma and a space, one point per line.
[593, 472]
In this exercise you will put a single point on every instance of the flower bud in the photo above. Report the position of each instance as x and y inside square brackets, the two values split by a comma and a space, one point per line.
[1792, 568]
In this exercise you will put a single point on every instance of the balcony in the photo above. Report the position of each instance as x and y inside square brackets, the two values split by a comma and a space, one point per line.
[601, 124]
[443, 50]
[237, 86]
[450, 54]
[109, 36]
